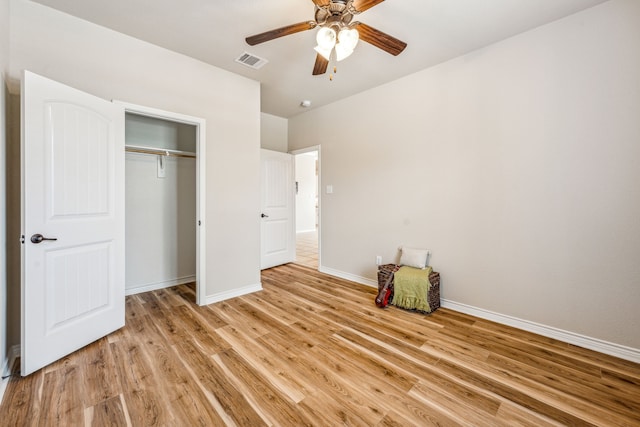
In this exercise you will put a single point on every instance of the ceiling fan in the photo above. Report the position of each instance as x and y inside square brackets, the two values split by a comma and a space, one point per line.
[337, 33]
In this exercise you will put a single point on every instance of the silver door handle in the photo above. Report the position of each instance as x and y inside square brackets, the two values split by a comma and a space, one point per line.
[39, 238]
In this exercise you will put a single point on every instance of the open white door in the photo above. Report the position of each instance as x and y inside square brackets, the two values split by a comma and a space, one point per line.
[73, 220]
[278, 239]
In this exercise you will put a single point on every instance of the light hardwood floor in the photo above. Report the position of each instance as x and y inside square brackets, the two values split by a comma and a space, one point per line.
[311, 349]
[307, 249]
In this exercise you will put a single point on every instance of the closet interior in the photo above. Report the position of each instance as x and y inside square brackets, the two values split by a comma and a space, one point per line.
[160, 203]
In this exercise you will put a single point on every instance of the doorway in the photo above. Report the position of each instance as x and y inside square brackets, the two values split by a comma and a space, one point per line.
[165, 202]
[307, 178]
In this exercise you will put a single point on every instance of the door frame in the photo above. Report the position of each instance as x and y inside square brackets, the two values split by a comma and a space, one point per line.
[316, 148]
[200, 124]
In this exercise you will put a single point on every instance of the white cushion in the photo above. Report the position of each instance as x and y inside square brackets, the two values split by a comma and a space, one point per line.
[413, 257]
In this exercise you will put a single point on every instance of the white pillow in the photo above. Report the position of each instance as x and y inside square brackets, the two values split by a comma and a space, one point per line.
[413, 257]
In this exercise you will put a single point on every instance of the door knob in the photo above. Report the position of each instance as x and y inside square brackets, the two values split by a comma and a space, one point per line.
[39, 238]
[264, 216]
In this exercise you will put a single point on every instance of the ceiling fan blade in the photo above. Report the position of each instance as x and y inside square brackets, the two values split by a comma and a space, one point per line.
[362, 5]
[280, 32]
[320, 67]
[379, 39]
[321, 2]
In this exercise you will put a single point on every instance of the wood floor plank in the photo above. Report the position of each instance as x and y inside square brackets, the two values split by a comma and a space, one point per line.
[508, 386]
[98, 371]
[333, 410]
[312, 349]
[215, 383]
[22, 402]
[479, 410]
[62, 404]
[516, 415]
[275, 368]
[145, 408]
[191, 326]
[625, 405]
[275, 407]
[142, 392]
[273, 310]
[416, 414]
[109, 412]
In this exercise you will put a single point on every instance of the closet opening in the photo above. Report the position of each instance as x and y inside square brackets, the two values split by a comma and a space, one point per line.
[164, 201]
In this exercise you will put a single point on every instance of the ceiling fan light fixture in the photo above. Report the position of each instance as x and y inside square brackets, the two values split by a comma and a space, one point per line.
[326, 38]
[349, 37]
[326, 53]
[342, 51]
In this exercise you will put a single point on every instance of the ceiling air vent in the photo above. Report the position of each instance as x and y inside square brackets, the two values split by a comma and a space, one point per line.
[251, 61]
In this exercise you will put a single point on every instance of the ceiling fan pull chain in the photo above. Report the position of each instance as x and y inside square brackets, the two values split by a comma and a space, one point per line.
[335, 71]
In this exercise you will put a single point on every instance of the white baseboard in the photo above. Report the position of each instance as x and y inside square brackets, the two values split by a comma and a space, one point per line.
[306, 231]
[159, 285]
[221, 296]
[612, 349]
[348, 276]
[12, 355]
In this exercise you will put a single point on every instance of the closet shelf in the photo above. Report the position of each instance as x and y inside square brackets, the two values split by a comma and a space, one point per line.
[158, 151]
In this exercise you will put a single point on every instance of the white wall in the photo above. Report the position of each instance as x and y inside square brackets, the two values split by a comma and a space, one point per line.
[4, 66]
[307, 189]
[517, 165]
[160, 236]
[273, 133]
[115, 66]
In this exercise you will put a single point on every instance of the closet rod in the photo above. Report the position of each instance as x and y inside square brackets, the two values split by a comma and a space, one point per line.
[158, 151]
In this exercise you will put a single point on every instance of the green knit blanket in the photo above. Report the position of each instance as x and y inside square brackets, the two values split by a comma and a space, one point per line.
[410, 288]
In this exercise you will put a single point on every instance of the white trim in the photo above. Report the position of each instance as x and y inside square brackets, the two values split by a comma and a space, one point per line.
[12, 355]
[311, 230]
[348, 276]
[200, 124]
[617, 350]
[159, 285]
[221, 296]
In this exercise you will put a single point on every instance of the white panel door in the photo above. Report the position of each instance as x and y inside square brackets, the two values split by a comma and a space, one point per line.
[73, 220]
[278, 240]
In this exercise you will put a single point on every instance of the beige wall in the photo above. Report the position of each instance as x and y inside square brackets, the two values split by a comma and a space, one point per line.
[273, 133]
[115, 66]
[517, 165]
[14, 232]
[4, 66]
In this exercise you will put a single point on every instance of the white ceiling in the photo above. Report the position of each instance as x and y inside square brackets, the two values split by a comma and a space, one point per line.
[213, 31]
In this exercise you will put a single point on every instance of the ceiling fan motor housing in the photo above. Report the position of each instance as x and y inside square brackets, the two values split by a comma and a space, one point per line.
[335, 13]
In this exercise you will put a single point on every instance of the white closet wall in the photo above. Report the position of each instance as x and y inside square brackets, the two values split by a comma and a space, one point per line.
[160, 212]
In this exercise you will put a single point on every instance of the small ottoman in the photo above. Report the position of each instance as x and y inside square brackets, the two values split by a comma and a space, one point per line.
[385, 271]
